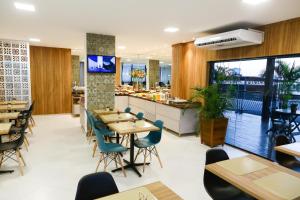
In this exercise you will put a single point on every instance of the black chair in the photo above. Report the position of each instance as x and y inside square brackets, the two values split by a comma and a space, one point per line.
[11, 148]
[217, 188]
[279, 125]
[21, 122]
[285, 159]
[95, 186]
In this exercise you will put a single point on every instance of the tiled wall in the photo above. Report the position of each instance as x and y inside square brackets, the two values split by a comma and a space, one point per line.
[76, 69]
[14, 70]
[100, 87]
[154, 72]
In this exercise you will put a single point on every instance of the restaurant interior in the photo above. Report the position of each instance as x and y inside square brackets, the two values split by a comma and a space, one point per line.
[150, 100]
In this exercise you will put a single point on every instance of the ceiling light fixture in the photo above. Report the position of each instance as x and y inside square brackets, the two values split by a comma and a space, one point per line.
[161, 62]
[121, 47]
[24, 6]
[171, 29]
[34, 40]
[254, 2]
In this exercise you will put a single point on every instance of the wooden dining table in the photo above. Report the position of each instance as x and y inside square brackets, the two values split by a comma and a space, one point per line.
[259, 177]
[292, 149]
[132, 128]
[18, 107]
[9, 115]
[13, 102]
[4, 130]
[112, 118]
[156, 190]
[106, 112]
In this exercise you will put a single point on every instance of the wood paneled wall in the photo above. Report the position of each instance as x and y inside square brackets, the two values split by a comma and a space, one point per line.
[51, 79]
[190, 64]
[118, 71]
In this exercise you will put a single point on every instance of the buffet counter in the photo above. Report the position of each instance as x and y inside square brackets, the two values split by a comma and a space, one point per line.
[178, 115]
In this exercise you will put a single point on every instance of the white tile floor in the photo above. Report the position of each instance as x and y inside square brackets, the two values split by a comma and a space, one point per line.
[59, 155]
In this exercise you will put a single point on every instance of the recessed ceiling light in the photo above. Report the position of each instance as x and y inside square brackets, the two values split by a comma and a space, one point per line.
[148, 57]
[121, 47]
[24, 6]
[171, 29]
[161, 62]
[34, 40]
[254, 2]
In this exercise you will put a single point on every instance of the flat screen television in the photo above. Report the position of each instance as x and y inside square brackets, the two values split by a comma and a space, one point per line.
[101, 64]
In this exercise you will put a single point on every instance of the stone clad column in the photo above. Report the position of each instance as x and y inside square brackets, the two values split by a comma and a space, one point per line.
[100, 87]
[154, 72]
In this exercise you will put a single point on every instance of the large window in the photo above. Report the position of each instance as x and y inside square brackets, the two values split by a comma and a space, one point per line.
[127, 70]
[165, 74]
[249, 84]
[264, 83]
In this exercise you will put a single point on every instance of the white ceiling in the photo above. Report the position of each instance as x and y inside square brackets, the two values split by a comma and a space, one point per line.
[137, 24]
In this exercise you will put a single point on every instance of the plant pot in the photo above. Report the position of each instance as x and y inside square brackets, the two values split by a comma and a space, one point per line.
[213, 131]
[294, 108]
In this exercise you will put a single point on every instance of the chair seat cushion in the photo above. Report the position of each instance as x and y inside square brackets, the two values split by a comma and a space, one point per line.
[113, 147]
[143, 143]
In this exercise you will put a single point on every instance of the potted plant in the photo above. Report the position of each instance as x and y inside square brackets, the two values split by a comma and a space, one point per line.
[216, 99]
[287, 76]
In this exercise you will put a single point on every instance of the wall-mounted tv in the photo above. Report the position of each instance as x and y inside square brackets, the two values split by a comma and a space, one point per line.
[101, 64]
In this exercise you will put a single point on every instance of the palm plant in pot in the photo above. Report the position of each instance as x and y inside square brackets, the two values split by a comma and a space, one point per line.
[216, 99]
[287, 76]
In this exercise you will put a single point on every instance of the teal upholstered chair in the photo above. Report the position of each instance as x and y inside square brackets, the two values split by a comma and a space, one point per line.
[108, 150]
[99, 125]
[146, 145]
[127, 110]
[140, 116]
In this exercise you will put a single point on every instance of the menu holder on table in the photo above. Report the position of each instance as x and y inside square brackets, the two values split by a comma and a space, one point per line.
[281, 184]
[242, 166]
[140, 193]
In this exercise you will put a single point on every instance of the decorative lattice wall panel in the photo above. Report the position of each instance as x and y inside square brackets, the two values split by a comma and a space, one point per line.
[14, 70]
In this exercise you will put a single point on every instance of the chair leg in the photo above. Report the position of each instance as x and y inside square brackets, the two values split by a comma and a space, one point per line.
[100, 159]
[21, 156]
[121, 163]
[19, 161]
[105, 163]
[157, 155]
[1, 160]
[32, 120]
[30, 129]
[94, 149]
[145, 156]
[138, 153]
[26, 144]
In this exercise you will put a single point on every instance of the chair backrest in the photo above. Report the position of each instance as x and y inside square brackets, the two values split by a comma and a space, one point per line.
[211, 181]
[127, 110]
[155, 136]
[140, 115]
[282, 158]
[95, 186]
[100, 138]
[15, 143]
[88, 115]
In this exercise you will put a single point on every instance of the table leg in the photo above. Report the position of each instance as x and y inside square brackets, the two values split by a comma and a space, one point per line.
[131, 164]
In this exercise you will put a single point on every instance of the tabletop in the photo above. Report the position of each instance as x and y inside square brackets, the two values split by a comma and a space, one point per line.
[105, 112]
[110, 118]
[9, 115]
[139, 126]
[13, 107]
[287, 111]
[14, 102]
[4, 128]
[157, 189]
[262, 180]
[292, 149]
